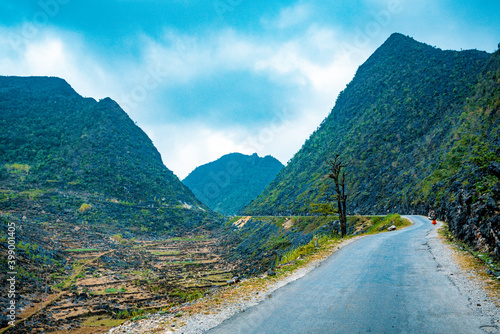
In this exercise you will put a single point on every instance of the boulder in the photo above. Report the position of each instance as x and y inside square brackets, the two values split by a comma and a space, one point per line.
[391, 228]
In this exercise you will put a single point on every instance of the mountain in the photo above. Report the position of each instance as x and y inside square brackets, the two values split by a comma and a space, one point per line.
[84, 195]
[407, 124]
[232, 181]
[65, 151]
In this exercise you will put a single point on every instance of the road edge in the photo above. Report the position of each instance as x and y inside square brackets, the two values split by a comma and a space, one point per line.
[468, 283]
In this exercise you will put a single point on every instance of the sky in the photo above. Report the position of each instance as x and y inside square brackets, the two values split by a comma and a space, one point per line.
[208, 78]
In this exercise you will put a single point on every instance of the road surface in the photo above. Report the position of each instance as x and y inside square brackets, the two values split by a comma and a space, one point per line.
[385, 283]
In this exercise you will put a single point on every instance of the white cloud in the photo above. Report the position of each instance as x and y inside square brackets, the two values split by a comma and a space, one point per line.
[310, 61]
[185, 146]
[292, 16]
[54, 54]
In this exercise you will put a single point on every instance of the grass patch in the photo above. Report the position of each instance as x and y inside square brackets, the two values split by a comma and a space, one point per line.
[113, 290]
[378, 223]
[163, 253]
[233, 220]
[187, 263]
[102, 321]
[18, 168]
[82, 250]
[305, 250]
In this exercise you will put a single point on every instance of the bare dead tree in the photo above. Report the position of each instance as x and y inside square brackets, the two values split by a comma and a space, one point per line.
[337, 174]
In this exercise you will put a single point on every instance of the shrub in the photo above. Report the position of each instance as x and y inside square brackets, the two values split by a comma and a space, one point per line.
[84, 207]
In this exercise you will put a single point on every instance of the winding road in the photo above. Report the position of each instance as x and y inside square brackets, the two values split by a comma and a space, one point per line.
[385, 283]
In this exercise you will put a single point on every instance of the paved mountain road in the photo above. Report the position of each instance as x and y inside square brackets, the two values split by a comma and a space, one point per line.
[385, 283]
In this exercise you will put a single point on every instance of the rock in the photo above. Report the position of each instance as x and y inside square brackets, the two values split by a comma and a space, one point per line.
[271, 272]
[493, 273]
[491, 204]
[496, 190]
[494, 168]
[391, 228]
[233, 280]
[383, 227]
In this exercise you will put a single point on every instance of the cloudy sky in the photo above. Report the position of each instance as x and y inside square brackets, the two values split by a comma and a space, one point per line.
[206, 78]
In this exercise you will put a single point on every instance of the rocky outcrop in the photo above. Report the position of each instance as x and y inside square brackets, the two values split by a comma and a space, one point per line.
[473, 216]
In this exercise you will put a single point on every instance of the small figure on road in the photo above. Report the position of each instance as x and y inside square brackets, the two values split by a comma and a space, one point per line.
[432, 216]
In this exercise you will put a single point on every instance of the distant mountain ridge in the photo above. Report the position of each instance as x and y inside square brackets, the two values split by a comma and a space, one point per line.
[229, 183]
[400, 124]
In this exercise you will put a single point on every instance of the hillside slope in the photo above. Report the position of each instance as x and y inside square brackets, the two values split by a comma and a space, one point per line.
[465, 189]
[84, 196]
[397, 121]
[390, 123]
[56, 145]
[232, 181]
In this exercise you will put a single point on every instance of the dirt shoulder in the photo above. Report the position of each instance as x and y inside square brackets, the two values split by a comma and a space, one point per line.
[469, 275]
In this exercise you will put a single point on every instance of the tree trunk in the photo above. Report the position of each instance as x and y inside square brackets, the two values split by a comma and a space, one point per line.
[339, 180]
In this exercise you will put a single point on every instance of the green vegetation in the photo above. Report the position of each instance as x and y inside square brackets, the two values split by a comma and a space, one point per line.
[232, 181]
[302, 251]
[113, 290]
[84, 207]
[76, 153]
[378, 223]
[372, 225]
[160, 253]
[188, 295]
[83, 250]
[102, 321]
[18, 168]
[395, 122]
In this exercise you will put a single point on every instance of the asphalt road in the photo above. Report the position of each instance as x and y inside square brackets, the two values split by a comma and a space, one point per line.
[385, 283]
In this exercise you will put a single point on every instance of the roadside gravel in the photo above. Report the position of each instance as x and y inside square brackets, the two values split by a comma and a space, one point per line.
[467, 282]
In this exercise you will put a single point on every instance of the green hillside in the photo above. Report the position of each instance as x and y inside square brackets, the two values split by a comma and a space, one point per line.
[391, 123]
[232, 181]
[412, 118]
[464, 188]
[61, 150]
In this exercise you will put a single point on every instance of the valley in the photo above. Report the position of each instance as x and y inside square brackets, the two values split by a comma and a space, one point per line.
[97, 231]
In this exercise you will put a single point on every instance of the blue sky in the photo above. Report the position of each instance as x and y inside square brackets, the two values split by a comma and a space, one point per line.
[206, 78]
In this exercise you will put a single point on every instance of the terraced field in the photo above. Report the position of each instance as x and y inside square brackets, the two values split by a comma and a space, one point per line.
[97, 279]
